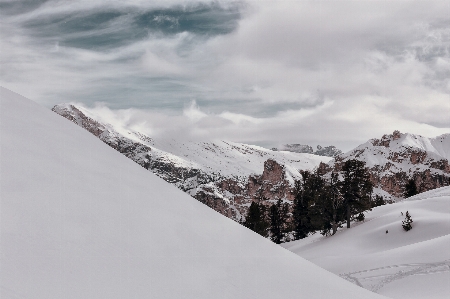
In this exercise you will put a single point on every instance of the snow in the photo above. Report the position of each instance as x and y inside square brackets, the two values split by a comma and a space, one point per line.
[80, 220]
[229, 159]
[225, 158]
[442, 145]
[398, 264]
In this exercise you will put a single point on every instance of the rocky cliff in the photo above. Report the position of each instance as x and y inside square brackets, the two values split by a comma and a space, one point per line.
[396, 158]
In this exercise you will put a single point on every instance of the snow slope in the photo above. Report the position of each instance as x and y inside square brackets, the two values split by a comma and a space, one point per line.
[398, 264]
[80, 220]
[228, 159]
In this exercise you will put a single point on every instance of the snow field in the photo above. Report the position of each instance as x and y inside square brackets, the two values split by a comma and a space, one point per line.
[80, 220]
[397, 264]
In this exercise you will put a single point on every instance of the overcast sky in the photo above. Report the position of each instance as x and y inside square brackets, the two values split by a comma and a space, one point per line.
[260, 72]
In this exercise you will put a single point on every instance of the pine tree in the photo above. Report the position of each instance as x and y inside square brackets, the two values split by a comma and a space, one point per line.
[256, 219]
[336, 201]
[301, 219]
[379, 201]
[356, 188]
[276, 223]
[410, 188]
[406, 224]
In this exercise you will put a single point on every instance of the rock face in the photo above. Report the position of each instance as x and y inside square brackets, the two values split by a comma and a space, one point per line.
[328, 151]
[226, 176]
[396, 158]
[297, 148]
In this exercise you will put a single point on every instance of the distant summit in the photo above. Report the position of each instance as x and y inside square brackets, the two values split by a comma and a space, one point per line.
[327, 151]
[396, 158]
[296, 148]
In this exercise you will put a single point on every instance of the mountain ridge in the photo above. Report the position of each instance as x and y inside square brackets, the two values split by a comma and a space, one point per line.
[226, 176]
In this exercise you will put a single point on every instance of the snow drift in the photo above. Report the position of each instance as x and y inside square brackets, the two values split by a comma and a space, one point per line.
[380, 256]
[80, 220]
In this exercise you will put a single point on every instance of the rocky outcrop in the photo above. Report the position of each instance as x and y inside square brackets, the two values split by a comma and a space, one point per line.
[396, 158]
[297, 148]
[271, 185]
[266, 188]
[327, 151]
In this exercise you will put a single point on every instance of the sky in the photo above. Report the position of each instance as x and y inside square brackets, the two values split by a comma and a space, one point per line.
[258, 72]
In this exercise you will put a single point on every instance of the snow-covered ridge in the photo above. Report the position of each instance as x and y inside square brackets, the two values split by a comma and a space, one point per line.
[226, 158]
[398, 157]
[216, 172]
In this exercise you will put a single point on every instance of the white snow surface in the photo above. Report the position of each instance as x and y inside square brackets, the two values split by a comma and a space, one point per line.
[80, 220]
[228, 159]
[397, 264]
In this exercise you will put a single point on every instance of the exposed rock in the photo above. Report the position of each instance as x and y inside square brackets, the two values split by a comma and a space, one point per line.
[328, 151]
[396, 158]
[297, 148]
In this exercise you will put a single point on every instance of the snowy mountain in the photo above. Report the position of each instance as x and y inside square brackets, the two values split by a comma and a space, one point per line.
[79, 220]
[396, 158]
[328, 151]
[226, 176]
[381, 256]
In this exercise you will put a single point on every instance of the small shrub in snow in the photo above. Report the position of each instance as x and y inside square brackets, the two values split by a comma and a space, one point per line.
[407, 222]
[360, 217]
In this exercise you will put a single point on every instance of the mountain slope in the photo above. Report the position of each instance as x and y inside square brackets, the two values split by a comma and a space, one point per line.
[398, 157]
[226, 176]
[380, 256]
[79, 220]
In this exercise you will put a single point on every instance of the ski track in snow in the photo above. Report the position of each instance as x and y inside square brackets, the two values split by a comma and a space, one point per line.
[376, 278]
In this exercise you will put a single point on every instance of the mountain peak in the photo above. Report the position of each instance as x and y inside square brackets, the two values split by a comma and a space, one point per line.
[398, 157]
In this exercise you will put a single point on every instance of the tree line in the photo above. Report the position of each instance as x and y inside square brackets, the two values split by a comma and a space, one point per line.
[322, 203]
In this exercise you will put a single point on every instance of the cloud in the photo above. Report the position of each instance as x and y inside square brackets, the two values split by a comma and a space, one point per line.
[266, 72]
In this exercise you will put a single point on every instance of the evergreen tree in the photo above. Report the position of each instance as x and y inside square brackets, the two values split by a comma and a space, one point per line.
[256, 219]
[406, 224]
[379, 201]
[316, 196]
[276, 223]
[336, 201]
[300, 219]
[410, 188]
[356, 188]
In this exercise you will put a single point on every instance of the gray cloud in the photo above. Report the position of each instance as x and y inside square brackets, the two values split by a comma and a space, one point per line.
[262, 72]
